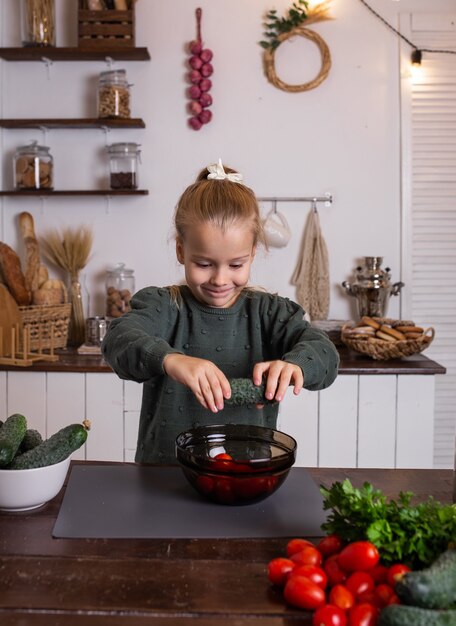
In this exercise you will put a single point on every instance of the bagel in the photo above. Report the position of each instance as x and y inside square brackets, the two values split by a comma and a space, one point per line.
[385, 336]
[369, 321]
[409, 329]
[398, 336]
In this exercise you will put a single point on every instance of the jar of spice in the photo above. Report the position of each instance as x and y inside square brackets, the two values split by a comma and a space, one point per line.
[120, 286]
[38, 22]
[123, 165]
[33, 167]
[113, 94]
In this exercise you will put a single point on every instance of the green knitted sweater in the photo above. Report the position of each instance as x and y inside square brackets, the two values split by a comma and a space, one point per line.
[258, 327]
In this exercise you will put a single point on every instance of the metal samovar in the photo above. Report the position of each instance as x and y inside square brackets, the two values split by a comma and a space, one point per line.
[372, 288]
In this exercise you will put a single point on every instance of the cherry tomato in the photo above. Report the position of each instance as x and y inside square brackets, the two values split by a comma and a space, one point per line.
[369, 597]
[329, 615]
[278, 570]
[223, 491]
[342, 597]
[307, 556]
[301, 592]
[363, 615]
[205, 484]
[360, 582]
[378, 573]
[333, 571]
[332, 544]
[394, 599]
[248, 488]
[296, 545]
[384, 593]
[359, 555]
[396, 572]
[316, 574]
[222, 462]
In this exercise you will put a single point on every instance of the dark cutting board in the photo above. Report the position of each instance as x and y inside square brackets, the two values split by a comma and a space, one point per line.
[136, 501]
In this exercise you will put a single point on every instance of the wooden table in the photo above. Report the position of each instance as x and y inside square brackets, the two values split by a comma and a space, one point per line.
[96, 582]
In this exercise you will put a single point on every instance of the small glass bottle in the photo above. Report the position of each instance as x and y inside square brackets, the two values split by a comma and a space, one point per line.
[120, 286]
[123, 165]
[38, 22]
[33, 167]
[113, 94]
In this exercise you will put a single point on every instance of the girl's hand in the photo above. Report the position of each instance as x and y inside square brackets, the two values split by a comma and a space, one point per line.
[206, 380]
[278, 375]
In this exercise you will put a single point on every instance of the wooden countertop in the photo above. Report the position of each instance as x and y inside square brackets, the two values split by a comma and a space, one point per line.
[351, 363]
[164, 582]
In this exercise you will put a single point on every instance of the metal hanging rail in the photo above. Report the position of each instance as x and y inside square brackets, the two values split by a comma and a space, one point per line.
[327, 199]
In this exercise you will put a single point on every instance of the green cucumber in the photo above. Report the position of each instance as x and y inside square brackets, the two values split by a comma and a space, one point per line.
[32, 438]
[243, 391]
[433, 587]
[11, 434]
[402, 615]
[53, 450]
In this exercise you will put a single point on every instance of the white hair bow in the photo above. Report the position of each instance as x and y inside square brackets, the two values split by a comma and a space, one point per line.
[217, 172]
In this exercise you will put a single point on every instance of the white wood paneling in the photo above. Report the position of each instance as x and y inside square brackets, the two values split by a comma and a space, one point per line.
[415, 422]
[131, 425]
[65, 403]
[428, 106]
[104, 408]
[27, 395]
[298, 417]
[377, 421]
[337, 446]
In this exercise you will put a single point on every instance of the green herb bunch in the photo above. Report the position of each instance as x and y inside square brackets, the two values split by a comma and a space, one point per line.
[275, 26]
[411, 534]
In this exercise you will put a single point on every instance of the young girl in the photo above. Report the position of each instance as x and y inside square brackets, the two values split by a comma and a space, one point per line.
[185, 342]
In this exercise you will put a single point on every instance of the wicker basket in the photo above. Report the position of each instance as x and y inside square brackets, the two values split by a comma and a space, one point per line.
[382, 350]
[106, 29]
[48, 325]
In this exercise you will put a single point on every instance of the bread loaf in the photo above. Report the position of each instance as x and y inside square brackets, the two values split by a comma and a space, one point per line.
[10, 265]
[32, 251]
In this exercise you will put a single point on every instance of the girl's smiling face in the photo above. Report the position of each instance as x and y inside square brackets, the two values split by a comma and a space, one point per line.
[217, 262]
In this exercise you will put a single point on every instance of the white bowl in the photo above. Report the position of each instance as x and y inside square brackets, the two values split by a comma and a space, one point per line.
[25, 489]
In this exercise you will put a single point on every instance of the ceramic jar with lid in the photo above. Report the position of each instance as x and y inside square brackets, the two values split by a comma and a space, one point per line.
[120, 286]
[372, 287]
[113, 94]
[38, 22]
[33, 167]
[123, 165]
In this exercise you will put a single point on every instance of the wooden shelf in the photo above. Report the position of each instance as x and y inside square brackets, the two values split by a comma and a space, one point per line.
[118, 123]
[42, 53]
[76, 192]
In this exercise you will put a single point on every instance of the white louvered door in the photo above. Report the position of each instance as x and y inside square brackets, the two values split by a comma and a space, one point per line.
[428, 106]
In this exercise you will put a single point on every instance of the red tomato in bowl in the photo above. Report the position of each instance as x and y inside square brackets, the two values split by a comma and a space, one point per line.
[342, 597]
[301, 592]
[359, 555]
[333, 570]
[360, 582]
[363, 615]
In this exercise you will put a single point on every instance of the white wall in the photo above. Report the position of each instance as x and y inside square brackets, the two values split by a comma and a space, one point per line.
[342, 137]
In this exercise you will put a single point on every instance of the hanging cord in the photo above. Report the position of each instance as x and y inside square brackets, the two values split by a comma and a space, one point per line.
[410, 43]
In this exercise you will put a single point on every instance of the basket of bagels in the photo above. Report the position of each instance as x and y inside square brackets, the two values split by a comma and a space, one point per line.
[382, 338]
[40, 303]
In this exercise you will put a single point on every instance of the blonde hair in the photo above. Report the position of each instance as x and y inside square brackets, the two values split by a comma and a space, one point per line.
[218, 202]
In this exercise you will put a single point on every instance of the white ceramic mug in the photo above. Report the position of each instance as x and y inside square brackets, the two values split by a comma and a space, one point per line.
[276, 229]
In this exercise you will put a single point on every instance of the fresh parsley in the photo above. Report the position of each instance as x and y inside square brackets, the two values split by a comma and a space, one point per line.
[402, 532]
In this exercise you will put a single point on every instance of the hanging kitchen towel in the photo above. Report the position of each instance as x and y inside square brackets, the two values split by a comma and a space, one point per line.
[311, 275]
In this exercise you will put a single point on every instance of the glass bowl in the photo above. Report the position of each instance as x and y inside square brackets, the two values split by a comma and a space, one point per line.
[235, 463]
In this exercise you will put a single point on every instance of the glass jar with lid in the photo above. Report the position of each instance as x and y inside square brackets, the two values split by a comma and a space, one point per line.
[113, 94]
[123, 165]
[120, 286]
[33, 167]
[38, 22]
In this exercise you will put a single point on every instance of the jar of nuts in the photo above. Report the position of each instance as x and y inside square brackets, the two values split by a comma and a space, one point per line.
[113, 94]
[120, 286]
[33, 167]
[123, 164]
